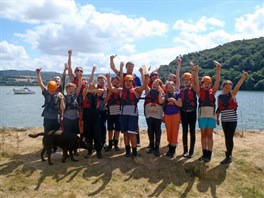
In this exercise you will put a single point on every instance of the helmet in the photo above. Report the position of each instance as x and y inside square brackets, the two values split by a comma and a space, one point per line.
[52, 85]
[206, 79]
[187, 75]
[101, 76]
[129, 77]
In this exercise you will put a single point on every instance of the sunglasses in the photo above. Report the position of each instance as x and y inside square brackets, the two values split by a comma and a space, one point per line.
[79, 70]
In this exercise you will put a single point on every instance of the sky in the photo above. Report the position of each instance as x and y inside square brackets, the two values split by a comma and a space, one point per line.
[38, 33]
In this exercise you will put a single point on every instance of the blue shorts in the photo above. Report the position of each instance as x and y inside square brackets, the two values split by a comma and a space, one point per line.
[113, 122]
[129, 124]
[209, 123]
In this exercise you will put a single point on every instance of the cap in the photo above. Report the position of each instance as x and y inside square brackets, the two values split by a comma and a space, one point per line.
[101, 76]
[129, 77]
[206, 79]
[187, 75]
[52, 85]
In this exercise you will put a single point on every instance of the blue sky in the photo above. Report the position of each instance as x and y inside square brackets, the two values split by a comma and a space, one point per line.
[38, 33]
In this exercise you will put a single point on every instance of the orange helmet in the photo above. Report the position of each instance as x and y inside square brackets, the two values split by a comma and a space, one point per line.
[129, 77]
[206, 79]
[52, 86]
[187, 75]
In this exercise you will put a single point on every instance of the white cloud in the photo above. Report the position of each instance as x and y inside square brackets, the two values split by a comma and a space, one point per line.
[251, 24]
[127, 49]
[200, 26]
[31, 11]
[10, 51]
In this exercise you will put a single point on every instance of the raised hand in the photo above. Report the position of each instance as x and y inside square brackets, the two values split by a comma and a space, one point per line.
[245, 74]
[70, 52]
[38, 70]
[112, 56]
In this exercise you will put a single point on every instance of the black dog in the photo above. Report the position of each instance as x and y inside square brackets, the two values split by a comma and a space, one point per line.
[66, 141]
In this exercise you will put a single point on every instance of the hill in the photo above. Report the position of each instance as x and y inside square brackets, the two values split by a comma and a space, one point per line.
[23, 174]
[235, 57]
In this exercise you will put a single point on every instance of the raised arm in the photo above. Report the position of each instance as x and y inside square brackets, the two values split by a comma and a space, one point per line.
[145, 84]
[71, 76]
[195, 78]
[179, 60]
[217, 77]
[112, 64]
[122, 64]
[110, 86]
[239, 83]
[40, 82]
[63, 77]
[92, 74]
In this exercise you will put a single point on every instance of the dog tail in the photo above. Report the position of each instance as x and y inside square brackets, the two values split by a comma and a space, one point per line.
[36, 135]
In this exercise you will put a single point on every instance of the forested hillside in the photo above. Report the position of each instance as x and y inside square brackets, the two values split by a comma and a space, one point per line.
[235, 57]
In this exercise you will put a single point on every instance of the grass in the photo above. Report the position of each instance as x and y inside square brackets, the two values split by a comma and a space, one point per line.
[22, 174]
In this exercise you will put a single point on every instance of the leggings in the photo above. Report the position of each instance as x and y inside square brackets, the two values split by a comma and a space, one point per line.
[154, 130]
[229, 129]
[188, 119]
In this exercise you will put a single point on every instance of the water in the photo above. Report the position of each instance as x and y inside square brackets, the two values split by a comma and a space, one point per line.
[25, 110]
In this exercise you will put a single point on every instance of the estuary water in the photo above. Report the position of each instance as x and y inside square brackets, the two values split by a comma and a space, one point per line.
[25, 110]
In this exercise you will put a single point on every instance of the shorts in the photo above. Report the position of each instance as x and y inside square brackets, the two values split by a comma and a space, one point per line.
[129, 124]
[113, 122]
[71, 126]
[209, 123]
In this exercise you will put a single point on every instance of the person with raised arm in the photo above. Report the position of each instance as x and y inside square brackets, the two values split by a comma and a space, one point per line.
[206, 111]
[53, 106]
[227, 107]
[188, 113]
[74, 80]
[129, 110]
[91, 119]
[136, 82]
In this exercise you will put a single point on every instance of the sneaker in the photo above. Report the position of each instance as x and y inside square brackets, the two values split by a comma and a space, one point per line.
[117, 148]
[157, 152]
[128, 154]
[227, 160]
[186, 154]
[138, 145]
[190, 155]
[109, 148]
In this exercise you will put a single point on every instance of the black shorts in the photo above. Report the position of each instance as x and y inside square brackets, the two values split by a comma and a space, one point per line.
[113, 122]
[71, 126]
[50, 125]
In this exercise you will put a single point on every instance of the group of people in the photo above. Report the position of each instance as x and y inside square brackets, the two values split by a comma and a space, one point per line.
[89, 106]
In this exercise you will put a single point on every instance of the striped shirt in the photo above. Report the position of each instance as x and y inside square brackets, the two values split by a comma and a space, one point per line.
[229, 115]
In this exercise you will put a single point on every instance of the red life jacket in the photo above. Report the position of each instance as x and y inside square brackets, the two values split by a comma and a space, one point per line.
[84, 83]
[128, 97]
[189, 99]
[91, 101]
[206, 98]
[114, 99]
[152, 97]
[226, 101]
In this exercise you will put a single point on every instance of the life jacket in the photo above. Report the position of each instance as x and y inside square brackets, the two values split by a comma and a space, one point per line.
[206, 98]
[170, 95]
[128, 97]
[71, 102]
[152, 97]
[114, 99]
[91, 101]
[170, 109]
[189, 99]
[84, 83]
[226, 101]
[52, 102]
[101, 98]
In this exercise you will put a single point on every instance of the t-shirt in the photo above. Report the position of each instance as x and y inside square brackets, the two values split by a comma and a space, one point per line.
[206, 112]
[153, 110]
[229, 115]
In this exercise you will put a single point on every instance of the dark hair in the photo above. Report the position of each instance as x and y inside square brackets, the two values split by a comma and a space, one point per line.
[225, 83]
[129, 63]
[115, 77]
